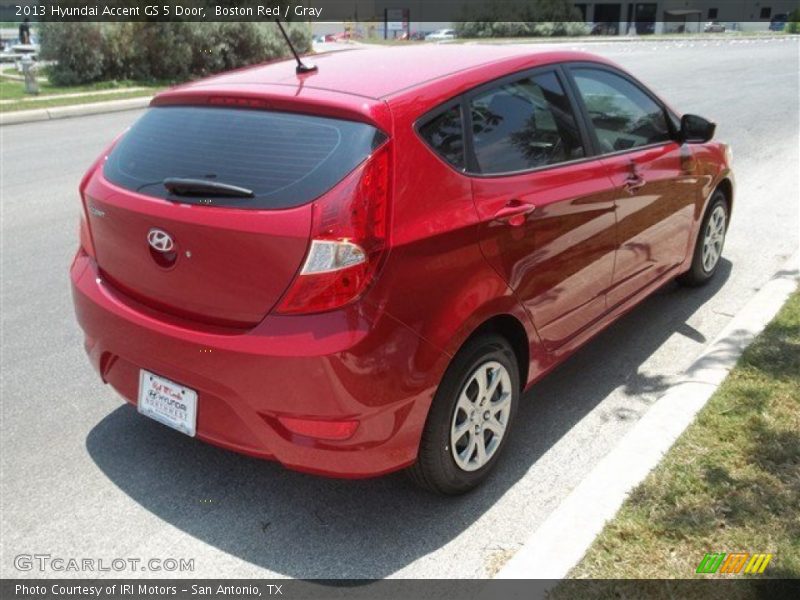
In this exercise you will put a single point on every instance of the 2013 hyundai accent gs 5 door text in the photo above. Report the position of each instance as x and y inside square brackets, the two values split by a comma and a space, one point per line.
[360, 268]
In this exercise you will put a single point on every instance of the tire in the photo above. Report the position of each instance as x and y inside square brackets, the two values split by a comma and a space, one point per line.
[448, 468]
[702, 270]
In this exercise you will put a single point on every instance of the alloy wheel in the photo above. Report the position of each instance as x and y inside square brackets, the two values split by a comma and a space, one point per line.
[714, 238]
[481, 416]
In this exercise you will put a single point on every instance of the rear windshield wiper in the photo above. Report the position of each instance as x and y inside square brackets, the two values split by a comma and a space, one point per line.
[181, 186]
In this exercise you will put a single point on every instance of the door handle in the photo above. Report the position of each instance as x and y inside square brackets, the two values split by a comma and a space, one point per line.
[634, 181]
[633, 184]
[515, 212]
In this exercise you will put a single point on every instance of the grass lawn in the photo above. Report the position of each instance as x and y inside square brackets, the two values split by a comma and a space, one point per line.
[44, 103]
[15, 90]
[730, 484]
[11, 89]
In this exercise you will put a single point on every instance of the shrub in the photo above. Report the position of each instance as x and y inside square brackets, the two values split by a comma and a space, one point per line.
[161, 51]
[119, 51]
[79, 50]
[165, 51]
[546, 29]
[575, 28]
[793, 22]
[534, 19]
[485, 29]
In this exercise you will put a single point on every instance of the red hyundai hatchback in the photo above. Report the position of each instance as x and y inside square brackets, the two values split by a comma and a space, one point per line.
[359, 269]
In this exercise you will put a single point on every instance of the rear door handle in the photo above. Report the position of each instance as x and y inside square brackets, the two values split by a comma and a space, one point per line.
[515, 212]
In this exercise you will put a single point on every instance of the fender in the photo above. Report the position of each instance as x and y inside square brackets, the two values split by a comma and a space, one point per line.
[713, 179]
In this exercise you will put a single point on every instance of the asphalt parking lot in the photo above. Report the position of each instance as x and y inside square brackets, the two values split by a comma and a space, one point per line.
[83, 475]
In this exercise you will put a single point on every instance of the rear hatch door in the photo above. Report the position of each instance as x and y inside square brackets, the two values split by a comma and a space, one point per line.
[205, 211]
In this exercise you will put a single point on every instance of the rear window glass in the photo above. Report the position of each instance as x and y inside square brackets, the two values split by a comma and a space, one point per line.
[285, 159]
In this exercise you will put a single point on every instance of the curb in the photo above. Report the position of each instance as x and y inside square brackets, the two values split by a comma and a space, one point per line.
[74, 110]
[565, 536]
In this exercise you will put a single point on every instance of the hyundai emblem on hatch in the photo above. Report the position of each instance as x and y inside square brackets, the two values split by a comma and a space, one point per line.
[160, 240]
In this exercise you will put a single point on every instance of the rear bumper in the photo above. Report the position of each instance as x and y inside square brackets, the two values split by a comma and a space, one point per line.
[356, 364]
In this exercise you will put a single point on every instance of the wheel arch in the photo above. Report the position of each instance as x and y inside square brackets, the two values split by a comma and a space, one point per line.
[509, 327]
[725, 185]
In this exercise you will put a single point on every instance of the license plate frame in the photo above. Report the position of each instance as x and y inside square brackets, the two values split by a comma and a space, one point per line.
[168, 402]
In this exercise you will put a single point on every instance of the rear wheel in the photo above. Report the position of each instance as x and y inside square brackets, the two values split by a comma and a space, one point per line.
[470, 418]
[710, 241]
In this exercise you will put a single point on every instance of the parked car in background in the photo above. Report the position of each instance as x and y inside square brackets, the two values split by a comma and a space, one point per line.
[778, 22]
[714, 27]
[344, 36]
[362, 268]
[419, 35]
[441, 35]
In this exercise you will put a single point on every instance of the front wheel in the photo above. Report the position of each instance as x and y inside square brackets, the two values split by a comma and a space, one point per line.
[710, 241]
[470, 418]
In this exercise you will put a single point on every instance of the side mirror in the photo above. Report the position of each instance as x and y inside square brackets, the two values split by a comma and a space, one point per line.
[696, 130]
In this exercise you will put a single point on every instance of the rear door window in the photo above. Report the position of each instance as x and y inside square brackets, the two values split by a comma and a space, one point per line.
[445, 135]
[524, 125]
[285, 159]
[623, 115]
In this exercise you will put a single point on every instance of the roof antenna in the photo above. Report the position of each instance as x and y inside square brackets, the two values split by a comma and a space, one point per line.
[301, 66]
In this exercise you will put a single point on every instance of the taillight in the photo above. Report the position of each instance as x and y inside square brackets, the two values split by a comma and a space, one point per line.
[86, 237]
[348, 241]
[84, 232]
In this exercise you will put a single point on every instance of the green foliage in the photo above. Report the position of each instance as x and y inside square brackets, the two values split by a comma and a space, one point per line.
[77, 47]
[160, 51]
[539, 18]
[730, 482]
[793, 22]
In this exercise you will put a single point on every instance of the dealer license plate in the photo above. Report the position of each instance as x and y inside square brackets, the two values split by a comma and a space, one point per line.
[168, 402]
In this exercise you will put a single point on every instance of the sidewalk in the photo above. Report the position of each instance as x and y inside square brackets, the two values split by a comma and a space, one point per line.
[562, 540]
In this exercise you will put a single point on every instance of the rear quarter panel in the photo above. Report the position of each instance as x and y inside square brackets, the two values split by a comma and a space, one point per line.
[436, 280]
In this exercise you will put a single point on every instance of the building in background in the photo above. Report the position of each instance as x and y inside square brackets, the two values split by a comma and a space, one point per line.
[382, 18]
[675, 16]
